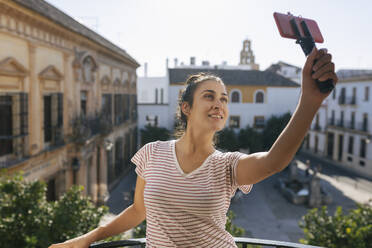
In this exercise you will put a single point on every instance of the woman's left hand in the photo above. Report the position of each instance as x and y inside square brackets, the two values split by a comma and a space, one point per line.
[322, 70]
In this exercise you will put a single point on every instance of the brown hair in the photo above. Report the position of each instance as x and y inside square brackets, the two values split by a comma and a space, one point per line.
[187, 95]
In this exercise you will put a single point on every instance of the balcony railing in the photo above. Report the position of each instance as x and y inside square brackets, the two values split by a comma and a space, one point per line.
[244, 241]
[331, 121]
[317, 127]
[343, 100]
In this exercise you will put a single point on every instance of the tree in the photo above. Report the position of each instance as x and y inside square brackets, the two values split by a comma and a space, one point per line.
[227, 140]
[28, 220]
[274, 126]
[341, 231]
[150, 134]
[251, 139]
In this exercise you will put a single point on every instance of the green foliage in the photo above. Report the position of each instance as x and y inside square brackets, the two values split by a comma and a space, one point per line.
[27, 219]
[251, 139]
[150, 134]
[227, 140]
[140, 230]
[234, 230]
[340, 230]
[273, 127]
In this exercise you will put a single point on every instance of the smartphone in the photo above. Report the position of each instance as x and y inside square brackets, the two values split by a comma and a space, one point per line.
[286, 30]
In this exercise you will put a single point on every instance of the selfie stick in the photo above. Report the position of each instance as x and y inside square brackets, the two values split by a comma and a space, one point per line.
[307, 44]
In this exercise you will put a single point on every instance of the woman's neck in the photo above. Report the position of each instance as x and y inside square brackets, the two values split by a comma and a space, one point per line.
[193, 142]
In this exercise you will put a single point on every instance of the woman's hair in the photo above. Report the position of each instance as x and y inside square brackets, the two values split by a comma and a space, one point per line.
[187, 95]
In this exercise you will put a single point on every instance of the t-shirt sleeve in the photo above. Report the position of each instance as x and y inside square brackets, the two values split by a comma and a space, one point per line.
[141, 158]
[233, 162]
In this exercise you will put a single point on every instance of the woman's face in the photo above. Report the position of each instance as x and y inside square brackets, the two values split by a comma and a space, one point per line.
[209, 110]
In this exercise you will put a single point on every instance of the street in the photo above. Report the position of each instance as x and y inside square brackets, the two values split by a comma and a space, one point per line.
[264, 213]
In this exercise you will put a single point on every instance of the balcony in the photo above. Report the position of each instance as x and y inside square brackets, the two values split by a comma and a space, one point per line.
[343, 100]
[87, 127]
[331, 122]
[317, 127]
[243, 241]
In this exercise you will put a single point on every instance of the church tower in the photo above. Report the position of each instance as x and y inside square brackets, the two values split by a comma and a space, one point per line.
[246, 55]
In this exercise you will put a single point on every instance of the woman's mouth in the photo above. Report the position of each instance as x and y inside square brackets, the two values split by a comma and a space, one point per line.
[216, 117]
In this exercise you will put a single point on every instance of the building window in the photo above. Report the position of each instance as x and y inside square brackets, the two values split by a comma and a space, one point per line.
[47, 118]
[83, 102]
[259, 121]
[152, 120]
[162, 96]
[332, 121]
[133, 106]
[342, 119]
[121, 105]
[235, 97]
[6, 125]
[342, 97]
[13, 123]
[156, 95]
[107, 106]
[334, 94]
[363, 147]
[316, 144]
[352, 122]
[53, 117]
[366, 93]
[365, 122]
[259, 97]
[351, 145]
[234, 122]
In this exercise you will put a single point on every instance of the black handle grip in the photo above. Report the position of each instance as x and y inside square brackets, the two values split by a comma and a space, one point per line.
[325, 86]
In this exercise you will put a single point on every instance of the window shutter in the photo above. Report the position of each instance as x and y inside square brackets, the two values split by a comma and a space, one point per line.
[60, 110]
[24, 113]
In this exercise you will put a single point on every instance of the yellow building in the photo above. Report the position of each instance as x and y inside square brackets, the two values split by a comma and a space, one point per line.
[68, 111]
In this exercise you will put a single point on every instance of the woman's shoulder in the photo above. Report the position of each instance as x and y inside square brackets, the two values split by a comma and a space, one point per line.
[226, 155]
[159, 144]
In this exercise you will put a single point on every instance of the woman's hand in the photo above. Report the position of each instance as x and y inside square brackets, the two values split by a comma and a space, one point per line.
[322, 70]
[78, 242]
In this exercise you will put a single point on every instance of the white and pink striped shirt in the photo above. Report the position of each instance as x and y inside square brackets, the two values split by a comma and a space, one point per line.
[186, 210]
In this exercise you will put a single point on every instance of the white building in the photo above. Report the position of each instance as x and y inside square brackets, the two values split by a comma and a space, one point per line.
[342, 129]
[286, 70]
[254, 95]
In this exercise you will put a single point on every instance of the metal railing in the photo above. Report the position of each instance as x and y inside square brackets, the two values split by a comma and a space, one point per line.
[243, 241]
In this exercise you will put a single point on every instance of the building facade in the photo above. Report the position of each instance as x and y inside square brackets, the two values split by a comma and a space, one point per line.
[67, 101]
[341, 130]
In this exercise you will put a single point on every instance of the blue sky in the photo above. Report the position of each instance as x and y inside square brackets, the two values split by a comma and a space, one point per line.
[153, 30]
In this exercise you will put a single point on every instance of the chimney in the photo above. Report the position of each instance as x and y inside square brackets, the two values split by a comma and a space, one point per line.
[205, 63]
[175, 62]
[192, 61]
[167, 63]
[145, 69]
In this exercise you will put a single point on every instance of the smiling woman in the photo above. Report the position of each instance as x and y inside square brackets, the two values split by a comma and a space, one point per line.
[184, 186]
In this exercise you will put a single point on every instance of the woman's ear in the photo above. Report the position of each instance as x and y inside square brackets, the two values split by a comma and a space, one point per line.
[185, 108]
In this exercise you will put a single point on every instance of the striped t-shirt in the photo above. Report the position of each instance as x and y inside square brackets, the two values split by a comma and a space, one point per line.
[186, 210]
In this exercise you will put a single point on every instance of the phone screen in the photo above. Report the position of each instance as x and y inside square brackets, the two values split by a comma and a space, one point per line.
[286, 30]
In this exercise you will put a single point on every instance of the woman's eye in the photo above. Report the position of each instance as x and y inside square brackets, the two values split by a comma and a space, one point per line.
[209, 96]
[223, 99]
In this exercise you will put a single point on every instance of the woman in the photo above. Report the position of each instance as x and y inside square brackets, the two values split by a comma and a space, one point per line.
[184, 186]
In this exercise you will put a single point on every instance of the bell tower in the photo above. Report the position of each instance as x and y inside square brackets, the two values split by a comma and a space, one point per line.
[247, 56]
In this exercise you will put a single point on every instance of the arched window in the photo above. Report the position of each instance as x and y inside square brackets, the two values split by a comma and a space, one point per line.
[259, 97]
[235, 97]
[89, 67]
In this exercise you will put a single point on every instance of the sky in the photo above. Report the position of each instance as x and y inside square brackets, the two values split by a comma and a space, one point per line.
[153, 30]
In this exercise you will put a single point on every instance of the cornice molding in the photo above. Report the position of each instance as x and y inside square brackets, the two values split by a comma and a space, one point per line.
[11, 67]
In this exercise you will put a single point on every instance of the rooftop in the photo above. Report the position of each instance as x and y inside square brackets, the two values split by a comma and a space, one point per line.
[52, 13]
[234, 77]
